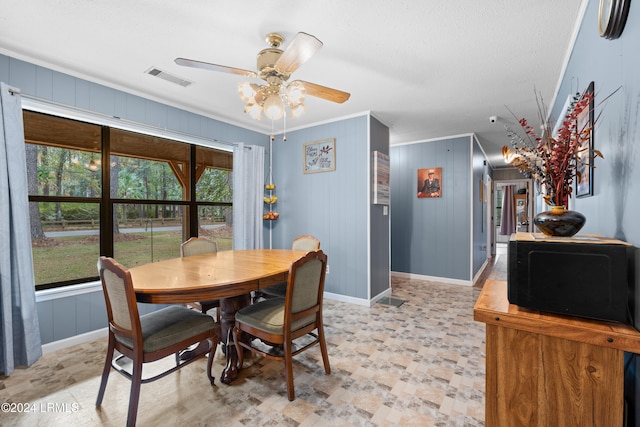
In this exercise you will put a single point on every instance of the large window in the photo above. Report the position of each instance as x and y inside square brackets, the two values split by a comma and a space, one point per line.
[137, 207]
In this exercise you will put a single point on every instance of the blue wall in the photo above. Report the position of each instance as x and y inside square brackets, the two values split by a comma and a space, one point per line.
[432, 236]
[333, 206]
[610, 64]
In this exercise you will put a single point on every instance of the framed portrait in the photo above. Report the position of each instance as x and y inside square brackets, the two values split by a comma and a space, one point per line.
[319, 156]
[584, 167]
[429, 183]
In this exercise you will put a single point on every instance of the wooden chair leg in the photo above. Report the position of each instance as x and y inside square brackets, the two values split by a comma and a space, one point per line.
[105, 372]
[212, 353]
[134, 397]
[236, 341]
[288, 367]
[323, 349]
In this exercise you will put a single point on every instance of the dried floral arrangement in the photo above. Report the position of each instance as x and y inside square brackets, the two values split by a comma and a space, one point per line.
[553, 160]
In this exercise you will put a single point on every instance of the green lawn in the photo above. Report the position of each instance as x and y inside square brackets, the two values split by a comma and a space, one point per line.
[69, 258]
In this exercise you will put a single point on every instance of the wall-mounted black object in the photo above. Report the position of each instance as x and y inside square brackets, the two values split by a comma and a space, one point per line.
[612, 17]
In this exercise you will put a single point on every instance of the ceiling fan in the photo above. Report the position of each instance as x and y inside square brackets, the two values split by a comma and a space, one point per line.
[275, 66]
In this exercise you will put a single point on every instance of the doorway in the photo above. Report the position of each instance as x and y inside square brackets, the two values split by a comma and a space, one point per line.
[517, 216]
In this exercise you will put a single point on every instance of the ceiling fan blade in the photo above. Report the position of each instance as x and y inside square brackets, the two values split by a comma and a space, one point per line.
[324, 92]
[301, 48]
[214, 67]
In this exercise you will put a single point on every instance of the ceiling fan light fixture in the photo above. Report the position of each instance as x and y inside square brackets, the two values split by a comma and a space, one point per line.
[297, 110]
[295, 93]
[273, 107]
[247, 91]
[254, 110]
[274, 67]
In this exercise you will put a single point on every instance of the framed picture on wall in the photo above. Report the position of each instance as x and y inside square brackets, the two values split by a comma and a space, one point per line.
[319, 156]
[429, 183]
[584, 167]
[381, 173]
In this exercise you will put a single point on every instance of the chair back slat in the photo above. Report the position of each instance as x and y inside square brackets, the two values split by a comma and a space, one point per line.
[198, 246]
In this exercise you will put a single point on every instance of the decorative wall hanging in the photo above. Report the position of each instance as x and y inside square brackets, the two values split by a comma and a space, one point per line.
[381, 174]
[430, 183]
[319, 156]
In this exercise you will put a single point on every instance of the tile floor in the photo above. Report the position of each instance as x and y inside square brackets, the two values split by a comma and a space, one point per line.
[419, 364]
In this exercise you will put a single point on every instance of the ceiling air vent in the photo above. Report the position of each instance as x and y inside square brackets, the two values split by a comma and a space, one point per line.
[168, 77]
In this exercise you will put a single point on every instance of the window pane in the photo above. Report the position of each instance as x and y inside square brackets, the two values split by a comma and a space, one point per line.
[146, 233]
[54, 171]
[213, 175]
[214, 185]
[64, 240]
[215, 222]
[144, 179]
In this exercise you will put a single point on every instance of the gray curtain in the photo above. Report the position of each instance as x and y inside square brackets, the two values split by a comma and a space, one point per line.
[508, 220]
[19, 331]
[248, 181]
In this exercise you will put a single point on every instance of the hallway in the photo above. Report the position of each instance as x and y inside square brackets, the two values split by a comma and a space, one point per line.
[497, 267]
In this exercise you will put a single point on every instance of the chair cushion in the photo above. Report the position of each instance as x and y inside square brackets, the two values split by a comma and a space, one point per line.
[165, 327]
[277, 290]
[268, 316]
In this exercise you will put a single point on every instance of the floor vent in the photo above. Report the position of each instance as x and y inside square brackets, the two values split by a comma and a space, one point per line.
[390, 301]
[168, 77]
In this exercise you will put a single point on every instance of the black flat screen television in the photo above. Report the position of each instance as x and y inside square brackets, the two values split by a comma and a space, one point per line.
[587, 279]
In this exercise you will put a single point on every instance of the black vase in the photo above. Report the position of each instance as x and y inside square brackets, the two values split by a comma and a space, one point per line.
[559, 222]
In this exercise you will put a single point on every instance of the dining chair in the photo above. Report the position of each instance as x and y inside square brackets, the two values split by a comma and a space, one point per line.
[200, 246]
[281, 321]
[149, 337]
[305, 242]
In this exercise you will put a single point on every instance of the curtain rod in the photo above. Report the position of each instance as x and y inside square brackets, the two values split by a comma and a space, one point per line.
[42, 105]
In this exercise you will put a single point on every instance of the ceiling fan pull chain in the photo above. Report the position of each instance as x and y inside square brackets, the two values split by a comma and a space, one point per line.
[284, 130]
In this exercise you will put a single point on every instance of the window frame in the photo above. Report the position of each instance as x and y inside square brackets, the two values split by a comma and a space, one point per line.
[192, 172]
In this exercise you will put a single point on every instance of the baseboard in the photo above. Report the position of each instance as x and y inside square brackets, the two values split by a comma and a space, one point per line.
[432, 278]
[74, 340]
[478, 276]
[348, 299]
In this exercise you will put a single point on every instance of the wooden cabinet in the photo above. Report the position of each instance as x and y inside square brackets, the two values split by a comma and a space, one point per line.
[551, 370]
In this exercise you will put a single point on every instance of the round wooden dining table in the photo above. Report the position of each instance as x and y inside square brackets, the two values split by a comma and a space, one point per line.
[229, 276]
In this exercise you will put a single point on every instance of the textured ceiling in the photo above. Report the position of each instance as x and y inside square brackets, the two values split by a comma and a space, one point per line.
[425, 68]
